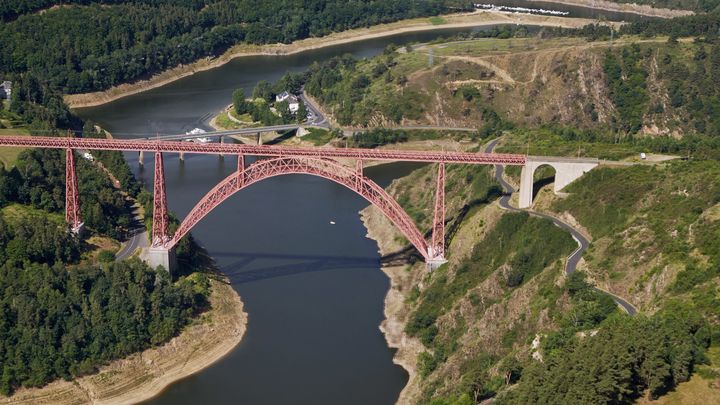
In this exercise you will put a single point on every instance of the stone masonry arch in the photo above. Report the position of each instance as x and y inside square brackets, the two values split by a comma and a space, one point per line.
[567, 170]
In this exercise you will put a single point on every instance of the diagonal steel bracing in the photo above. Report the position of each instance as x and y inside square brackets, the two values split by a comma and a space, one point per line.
[263, 150]
[72, 193]
[160, 235]
[437, 247]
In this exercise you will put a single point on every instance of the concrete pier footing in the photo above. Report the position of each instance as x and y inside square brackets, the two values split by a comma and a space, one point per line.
[433, 264]
[79, 230]
[163, 257]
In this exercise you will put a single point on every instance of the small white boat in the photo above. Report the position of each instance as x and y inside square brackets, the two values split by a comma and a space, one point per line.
[332, 222]
[196, 131]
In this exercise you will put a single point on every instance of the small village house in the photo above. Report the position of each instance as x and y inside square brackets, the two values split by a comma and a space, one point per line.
[292, 100]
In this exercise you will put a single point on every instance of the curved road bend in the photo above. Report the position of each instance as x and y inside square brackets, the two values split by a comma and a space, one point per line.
[583, 243]
[139, 238]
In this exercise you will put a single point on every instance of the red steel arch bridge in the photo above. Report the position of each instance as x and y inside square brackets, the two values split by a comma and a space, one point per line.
[335, 164]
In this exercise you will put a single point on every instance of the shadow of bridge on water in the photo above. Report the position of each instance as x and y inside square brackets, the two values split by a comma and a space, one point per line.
[238, 273]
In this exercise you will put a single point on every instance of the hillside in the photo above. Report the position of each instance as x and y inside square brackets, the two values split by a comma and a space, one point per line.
[477, 327]
[631, 85]
[93, 45]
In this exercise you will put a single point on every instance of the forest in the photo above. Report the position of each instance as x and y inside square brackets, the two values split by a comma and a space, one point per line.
[695, 5]
[84, 48]
[38, 180]
[61, 317]
[691, 75]
[56, 323]
[617, 364]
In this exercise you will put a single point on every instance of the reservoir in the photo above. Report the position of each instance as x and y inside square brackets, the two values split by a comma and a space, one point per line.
[313, 290]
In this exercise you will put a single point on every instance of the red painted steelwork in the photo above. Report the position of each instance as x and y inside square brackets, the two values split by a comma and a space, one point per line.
[261, 150]
[72, 193]
[284, 160]
[438, 234]
[331, 170]
[160, 235]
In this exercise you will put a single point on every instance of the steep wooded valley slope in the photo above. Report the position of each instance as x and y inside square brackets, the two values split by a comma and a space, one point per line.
[503, 320]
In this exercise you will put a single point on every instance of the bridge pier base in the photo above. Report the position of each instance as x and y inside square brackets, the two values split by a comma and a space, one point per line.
[155, 257]
[433, 264]
[78, 230]
[182, 157]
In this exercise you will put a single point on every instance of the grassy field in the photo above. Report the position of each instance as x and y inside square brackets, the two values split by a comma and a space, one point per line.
[8, 155]
[225, 122]
[549, 142]
[702, 388]
[485, 46]
[14, 212]
[318, 137]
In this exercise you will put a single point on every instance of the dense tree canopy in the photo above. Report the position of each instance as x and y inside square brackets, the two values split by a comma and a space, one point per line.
[56, 323]
[95, 46]
[616, 363]
[38, 180]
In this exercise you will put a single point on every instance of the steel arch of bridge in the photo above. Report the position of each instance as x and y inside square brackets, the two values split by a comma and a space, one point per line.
[325, 168]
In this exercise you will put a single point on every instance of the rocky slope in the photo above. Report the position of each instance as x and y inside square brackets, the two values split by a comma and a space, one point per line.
[466, 331]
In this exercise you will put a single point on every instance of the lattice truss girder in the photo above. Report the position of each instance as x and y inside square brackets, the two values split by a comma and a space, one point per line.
[263, 150]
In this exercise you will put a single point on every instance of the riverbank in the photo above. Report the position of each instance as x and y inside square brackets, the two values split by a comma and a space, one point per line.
[396, 315]
[465, 20]
[639, 9]
[142, 376]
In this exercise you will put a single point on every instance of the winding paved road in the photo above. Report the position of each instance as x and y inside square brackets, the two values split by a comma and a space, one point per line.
[583, 242]
[319, 120]
[137, 241]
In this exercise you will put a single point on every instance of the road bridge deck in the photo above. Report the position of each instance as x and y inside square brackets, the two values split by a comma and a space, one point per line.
[262, 150]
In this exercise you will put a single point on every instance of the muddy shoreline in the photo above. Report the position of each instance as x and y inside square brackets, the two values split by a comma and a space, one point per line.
[639, 9]
[401, 278]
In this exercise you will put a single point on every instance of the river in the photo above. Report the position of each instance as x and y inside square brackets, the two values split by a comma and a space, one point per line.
[312, 289]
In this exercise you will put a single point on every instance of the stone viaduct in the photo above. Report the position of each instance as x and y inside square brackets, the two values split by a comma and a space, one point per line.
[567, 170]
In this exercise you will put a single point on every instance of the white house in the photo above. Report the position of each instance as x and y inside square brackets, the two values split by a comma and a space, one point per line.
[5, 89]
[282, 96]
[294, 104]
[292, 100]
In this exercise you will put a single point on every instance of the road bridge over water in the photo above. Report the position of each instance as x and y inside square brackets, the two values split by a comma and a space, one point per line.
[282, 160]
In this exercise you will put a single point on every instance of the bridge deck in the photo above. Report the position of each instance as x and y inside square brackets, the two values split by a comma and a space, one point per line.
[261, 150]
